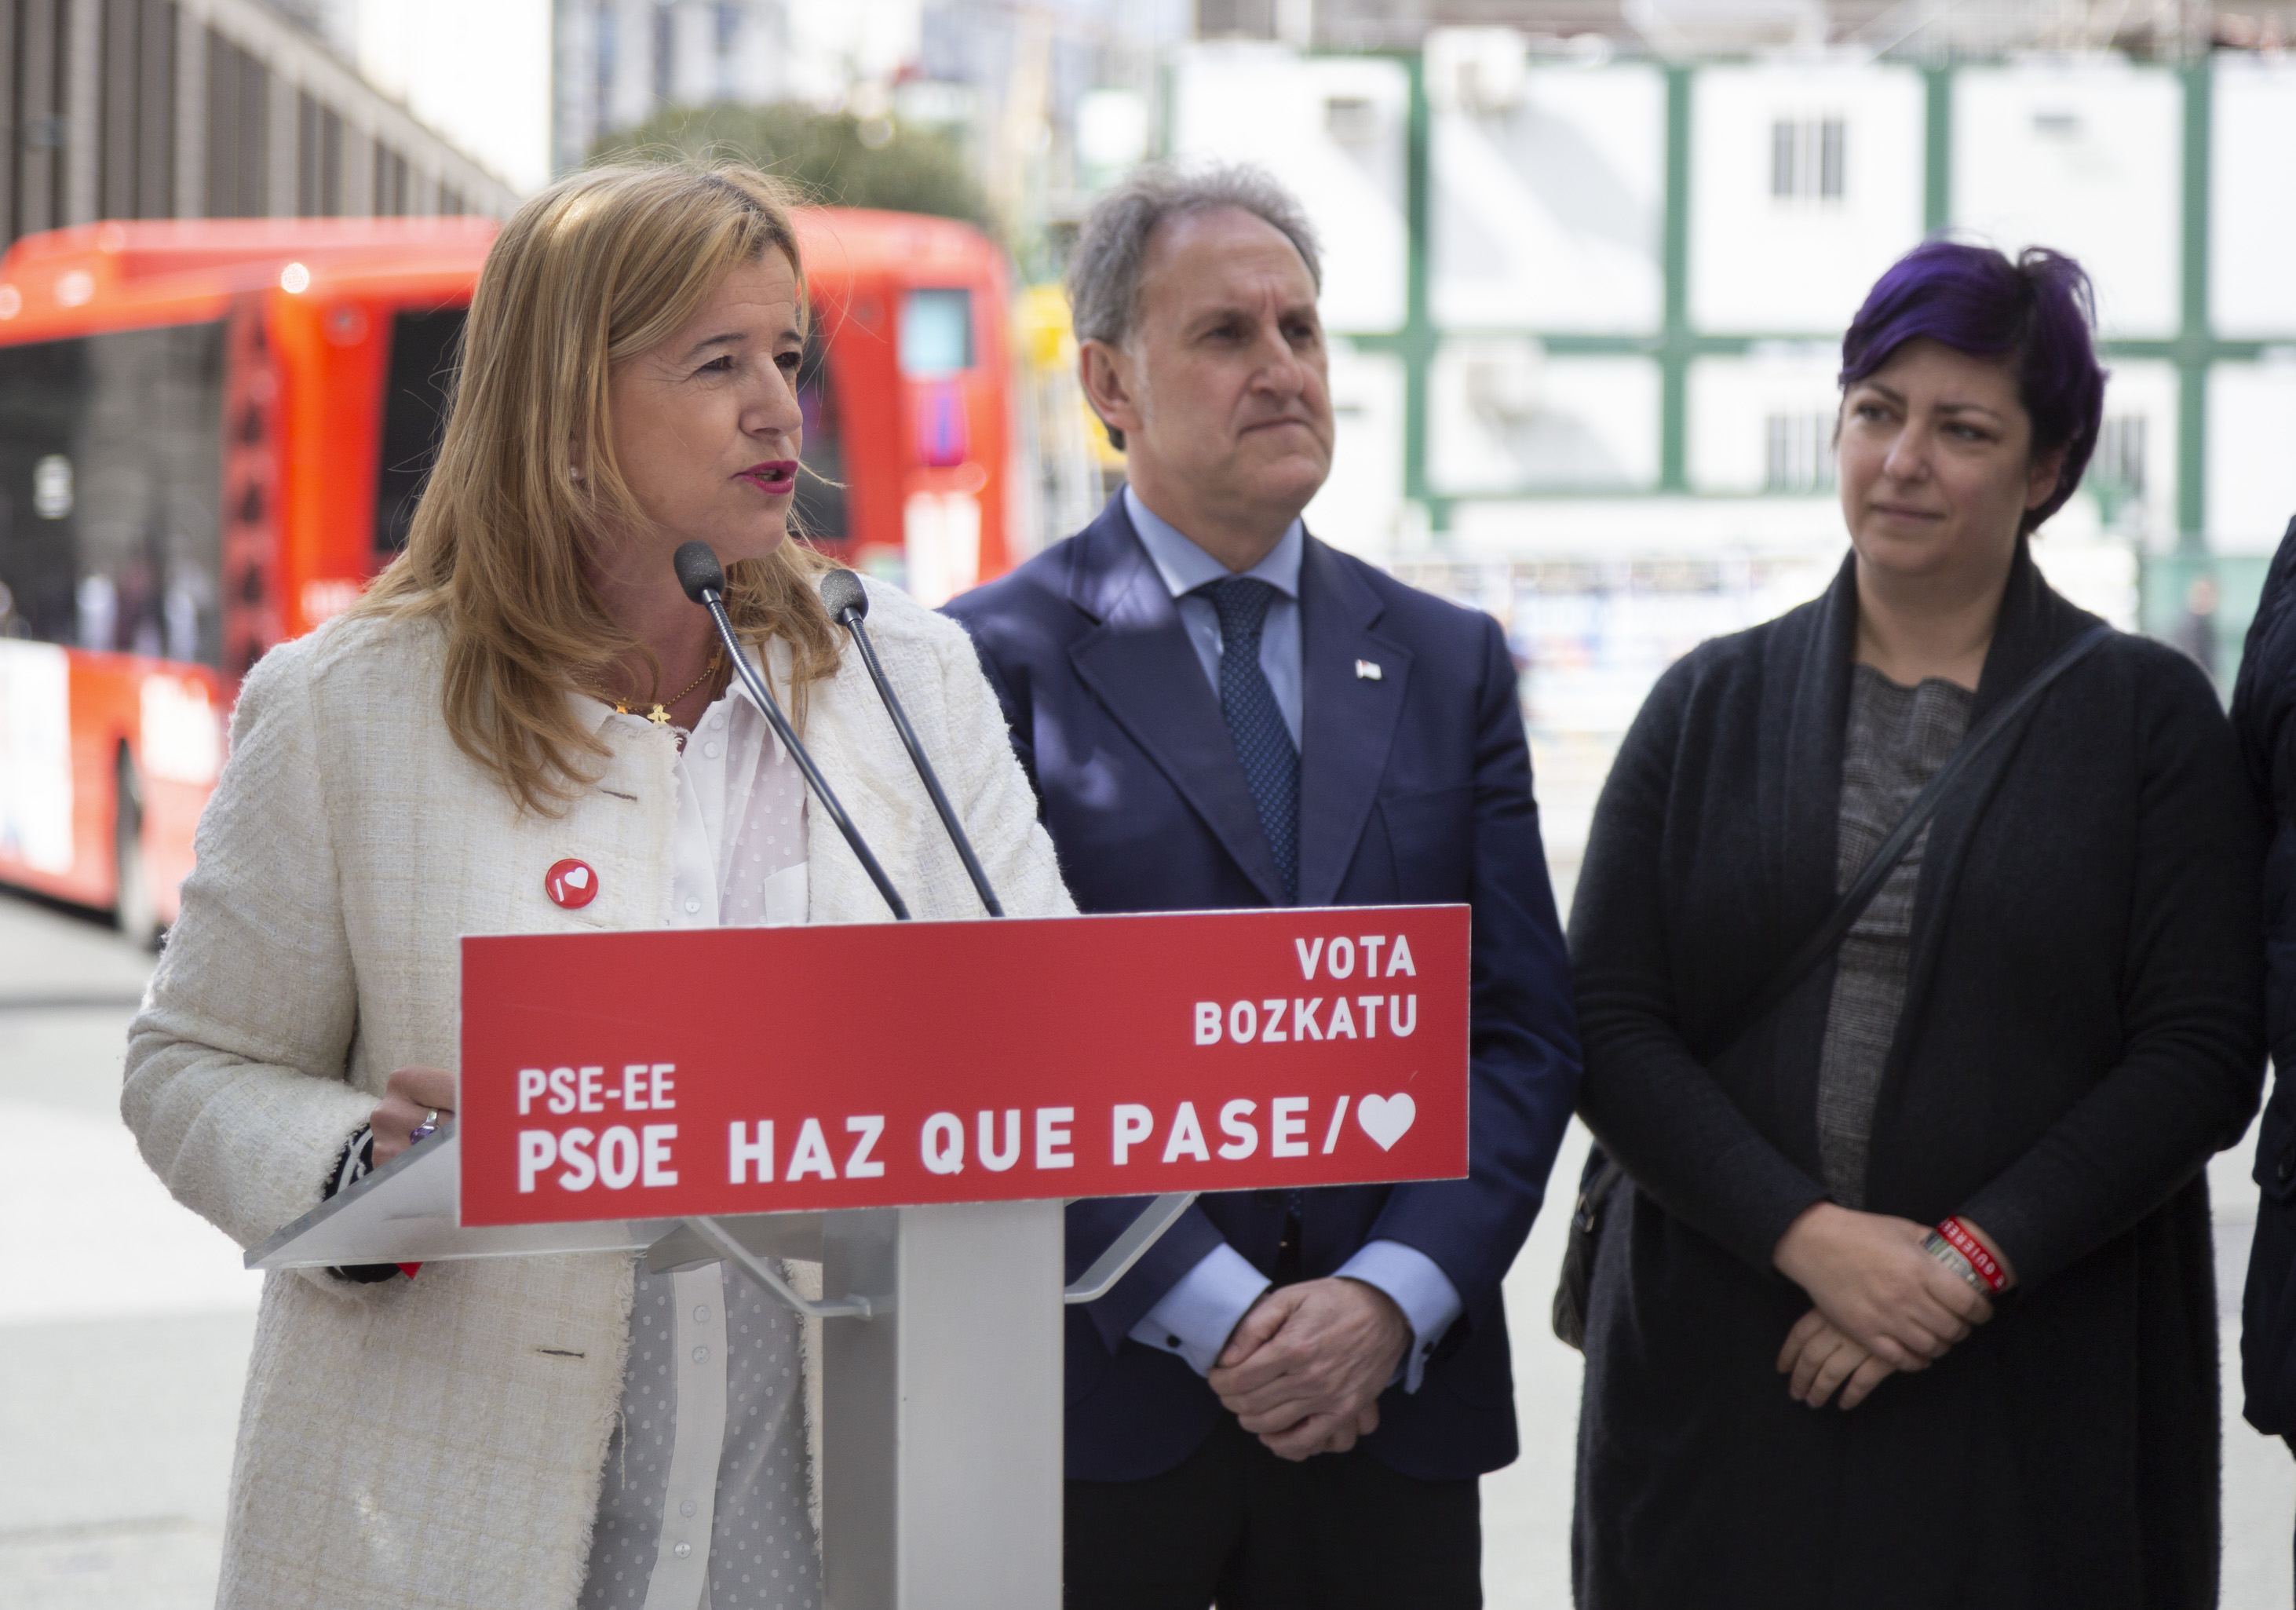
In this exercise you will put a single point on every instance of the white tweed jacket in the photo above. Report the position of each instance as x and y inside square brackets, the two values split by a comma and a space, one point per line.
[439, 1442]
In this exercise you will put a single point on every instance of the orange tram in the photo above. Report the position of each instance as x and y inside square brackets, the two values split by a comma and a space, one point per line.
[213, 433]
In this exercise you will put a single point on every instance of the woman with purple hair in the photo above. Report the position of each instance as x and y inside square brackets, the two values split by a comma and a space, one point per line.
[1917, 950]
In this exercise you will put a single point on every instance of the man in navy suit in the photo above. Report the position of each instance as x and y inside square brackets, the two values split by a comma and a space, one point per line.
[1289, 1399]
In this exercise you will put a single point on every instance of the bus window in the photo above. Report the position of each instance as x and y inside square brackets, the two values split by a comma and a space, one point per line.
[416, 395]
[821, 487]
[110, 467]
[936, 333]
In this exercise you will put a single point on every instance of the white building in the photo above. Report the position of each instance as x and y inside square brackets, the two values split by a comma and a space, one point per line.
[1599, 400]
[619, 61]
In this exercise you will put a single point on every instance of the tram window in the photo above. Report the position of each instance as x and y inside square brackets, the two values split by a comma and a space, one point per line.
[418, 390]
[111, 467]
[821, 487]
[936, 333]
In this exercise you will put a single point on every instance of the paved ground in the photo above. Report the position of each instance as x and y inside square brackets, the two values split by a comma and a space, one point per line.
[124, 1320]
[124, 1324]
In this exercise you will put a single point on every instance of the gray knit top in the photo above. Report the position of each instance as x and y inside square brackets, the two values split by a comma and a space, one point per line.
[1895, 739]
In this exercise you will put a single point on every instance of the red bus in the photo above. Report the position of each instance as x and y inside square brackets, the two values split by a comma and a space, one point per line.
[213, 433]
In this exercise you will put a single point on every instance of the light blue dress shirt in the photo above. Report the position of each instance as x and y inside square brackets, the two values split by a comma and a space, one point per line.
[1196, 1317]
[1185, 566]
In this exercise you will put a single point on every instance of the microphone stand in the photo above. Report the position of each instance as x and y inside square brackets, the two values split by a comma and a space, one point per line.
[707, 588]
[850, 605]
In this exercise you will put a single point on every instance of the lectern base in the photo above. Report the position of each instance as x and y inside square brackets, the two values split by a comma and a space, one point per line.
[942, 1439]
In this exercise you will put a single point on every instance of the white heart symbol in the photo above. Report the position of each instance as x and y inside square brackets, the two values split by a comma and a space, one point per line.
[1386, 1119]
[577, 877]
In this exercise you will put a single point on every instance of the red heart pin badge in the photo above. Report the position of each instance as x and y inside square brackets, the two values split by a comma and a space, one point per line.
[571, 884]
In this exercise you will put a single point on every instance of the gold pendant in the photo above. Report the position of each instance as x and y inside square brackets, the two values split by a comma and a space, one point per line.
[658, 716]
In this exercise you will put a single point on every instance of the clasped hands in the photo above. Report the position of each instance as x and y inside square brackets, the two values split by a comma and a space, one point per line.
[1304, 1365]
[1882, 1305]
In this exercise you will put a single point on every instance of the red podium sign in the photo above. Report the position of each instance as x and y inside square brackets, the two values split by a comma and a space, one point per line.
[777, 1069]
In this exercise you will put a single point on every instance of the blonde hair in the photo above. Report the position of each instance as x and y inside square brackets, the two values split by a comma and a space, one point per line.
[601, 266]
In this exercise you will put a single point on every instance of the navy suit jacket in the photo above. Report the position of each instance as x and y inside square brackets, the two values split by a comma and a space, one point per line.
[1415, 787]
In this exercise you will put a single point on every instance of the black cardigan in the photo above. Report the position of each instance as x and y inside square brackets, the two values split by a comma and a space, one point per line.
[2081, 1031]
[2264, 714]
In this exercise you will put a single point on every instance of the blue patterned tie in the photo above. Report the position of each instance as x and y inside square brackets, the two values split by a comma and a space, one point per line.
[1255, 723]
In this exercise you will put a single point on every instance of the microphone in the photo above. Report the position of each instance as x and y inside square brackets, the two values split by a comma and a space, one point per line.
[704, 581]
[848, 601]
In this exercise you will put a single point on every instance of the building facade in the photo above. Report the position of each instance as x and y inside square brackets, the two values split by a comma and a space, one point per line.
[1588, 308]
[1566, 283]
[188, 109]
[621, 61]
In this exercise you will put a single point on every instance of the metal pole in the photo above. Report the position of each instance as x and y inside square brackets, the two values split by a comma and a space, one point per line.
[1677, 341]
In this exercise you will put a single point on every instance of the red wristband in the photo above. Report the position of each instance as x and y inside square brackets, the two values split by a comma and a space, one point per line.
[1958, 1237]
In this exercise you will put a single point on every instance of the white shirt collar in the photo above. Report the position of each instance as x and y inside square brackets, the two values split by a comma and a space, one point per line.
[1185, 567]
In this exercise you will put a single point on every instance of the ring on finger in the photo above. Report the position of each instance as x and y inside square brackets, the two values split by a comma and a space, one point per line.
[426, 1128]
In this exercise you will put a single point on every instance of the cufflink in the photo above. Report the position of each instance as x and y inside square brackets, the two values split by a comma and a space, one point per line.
[1367, 671]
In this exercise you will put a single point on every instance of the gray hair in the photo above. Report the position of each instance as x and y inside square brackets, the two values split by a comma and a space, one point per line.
[1104, 276]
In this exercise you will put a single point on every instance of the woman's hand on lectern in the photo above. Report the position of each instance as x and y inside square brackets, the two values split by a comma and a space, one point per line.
[409, 1100]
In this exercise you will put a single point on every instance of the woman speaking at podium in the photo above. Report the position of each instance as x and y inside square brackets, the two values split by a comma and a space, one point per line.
[525, 727]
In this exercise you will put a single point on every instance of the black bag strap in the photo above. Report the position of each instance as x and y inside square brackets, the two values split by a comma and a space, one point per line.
[1894, 849]
[1877, 869]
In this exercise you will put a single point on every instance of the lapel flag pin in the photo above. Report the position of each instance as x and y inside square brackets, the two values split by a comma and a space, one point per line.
[1367, 670]
[571, 884]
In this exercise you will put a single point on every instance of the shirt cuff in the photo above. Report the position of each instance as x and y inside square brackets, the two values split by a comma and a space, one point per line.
[1429, 1301]
[1196, 1317]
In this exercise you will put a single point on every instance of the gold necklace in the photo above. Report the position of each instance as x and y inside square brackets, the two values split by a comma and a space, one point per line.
[659, 714]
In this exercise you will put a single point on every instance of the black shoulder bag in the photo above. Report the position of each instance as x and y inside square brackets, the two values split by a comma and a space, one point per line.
[1602, 1174]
